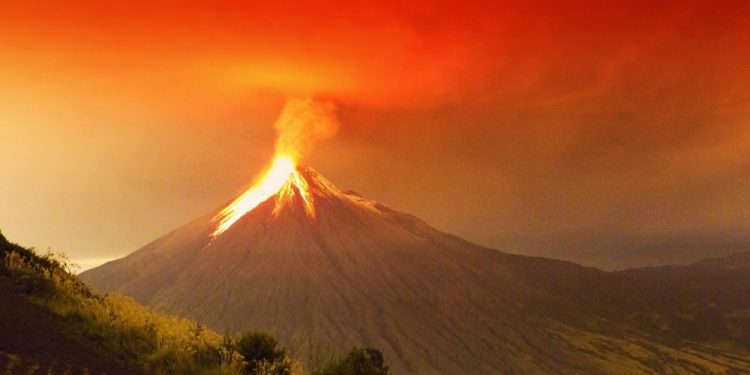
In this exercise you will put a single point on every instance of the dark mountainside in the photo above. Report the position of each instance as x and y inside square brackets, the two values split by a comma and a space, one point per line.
[31, 337]
[361, 273]
[707, 300]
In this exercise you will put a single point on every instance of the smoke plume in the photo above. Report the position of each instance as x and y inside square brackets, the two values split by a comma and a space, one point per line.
[302, 122]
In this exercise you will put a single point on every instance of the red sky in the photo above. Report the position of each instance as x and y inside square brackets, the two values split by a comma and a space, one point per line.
[612, 133]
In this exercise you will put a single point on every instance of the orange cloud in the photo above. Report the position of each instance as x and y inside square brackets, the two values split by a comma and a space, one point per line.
[562, 109]
[374, 53]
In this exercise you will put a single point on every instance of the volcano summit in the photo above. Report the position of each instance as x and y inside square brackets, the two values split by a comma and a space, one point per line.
[324, 270]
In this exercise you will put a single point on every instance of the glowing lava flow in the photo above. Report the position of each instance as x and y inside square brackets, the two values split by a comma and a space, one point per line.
[282, 180]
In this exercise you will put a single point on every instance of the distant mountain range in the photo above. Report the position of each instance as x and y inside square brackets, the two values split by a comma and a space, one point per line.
[359, 273]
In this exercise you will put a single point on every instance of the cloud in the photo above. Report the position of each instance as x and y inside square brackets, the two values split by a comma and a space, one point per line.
[385, 53]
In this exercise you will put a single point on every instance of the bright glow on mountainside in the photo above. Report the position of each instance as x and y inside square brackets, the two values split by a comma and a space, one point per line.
[281, 179]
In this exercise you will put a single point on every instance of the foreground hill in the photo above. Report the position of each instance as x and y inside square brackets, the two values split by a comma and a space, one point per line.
[51, 323]
[34, 338]
[359, 272]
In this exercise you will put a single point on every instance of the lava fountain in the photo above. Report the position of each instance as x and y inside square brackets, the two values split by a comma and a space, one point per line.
[301, 123]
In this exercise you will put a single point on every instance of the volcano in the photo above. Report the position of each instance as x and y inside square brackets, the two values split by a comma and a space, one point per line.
[324, 270]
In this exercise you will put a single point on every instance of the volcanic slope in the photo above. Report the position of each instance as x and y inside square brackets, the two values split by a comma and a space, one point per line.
[359, 273]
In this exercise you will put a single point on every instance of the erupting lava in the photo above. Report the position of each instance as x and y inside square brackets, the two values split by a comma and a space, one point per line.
[302, 121]
[282, 180]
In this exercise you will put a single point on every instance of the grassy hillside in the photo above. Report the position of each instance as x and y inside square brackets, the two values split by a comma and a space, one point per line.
[54, 324]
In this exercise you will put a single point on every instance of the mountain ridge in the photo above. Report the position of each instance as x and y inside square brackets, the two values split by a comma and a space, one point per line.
[362, 273]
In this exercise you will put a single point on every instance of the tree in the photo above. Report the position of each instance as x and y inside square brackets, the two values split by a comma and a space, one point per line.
[263, 354]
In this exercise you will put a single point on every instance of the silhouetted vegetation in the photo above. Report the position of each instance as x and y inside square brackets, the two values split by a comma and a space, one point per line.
[13, 364]
[263, 355]
[359, 361]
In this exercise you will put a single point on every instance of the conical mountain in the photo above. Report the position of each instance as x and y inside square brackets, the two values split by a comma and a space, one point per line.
[359, 273]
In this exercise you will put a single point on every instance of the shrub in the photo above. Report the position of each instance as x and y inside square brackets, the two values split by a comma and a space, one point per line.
[263, 354]
[359, 361]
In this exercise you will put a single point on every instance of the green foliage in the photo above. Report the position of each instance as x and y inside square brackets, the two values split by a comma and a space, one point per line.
[359, 361]
[263, 354]
[161, 344]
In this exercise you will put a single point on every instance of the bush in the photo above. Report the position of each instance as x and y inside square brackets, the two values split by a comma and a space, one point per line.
[360, 361]
[263, 354]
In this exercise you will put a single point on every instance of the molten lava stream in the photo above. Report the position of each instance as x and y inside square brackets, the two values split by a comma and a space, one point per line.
[281, 179]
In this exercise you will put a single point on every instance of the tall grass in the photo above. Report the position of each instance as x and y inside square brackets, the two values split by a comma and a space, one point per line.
[161, 344]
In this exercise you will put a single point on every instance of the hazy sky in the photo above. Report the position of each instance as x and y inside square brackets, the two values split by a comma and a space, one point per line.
[610, 133]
